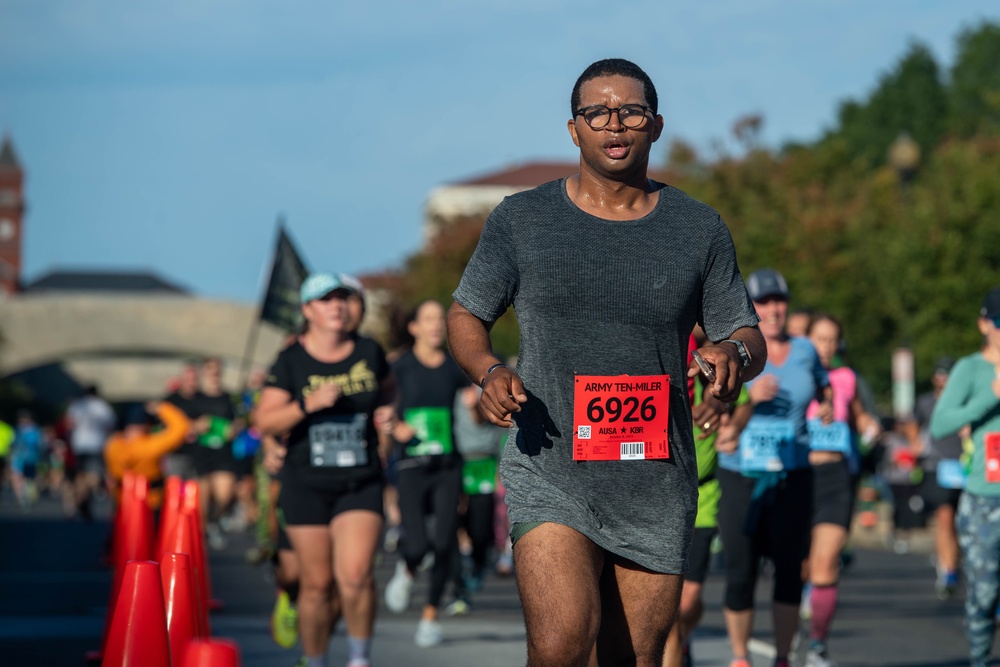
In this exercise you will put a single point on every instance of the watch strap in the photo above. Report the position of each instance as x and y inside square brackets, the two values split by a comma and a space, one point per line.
[741, 349]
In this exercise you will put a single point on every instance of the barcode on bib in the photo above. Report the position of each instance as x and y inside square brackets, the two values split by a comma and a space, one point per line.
[583, 432]
[633, 451]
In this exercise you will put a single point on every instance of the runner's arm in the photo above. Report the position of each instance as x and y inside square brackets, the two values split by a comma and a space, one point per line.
[729, 374]
[276, 412]
[960, 403]
[172, 436]
[469, 340]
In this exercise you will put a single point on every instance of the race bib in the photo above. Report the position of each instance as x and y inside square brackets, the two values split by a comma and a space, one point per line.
[433, 431]
[992, 442]
[339, 441]
[479, 476]
[621, 417]
[951, 474]
[832, 437]
[215, 436]
[766, 444]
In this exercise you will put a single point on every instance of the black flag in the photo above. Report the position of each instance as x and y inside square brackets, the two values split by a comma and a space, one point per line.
[281, 303]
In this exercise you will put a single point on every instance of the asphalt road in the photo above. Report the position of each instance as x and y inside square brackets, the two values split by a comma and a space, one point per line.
[53, 596]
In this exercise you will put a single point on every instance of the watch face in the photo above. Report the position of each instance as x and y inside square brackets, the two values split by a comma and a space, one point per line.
[7, 229]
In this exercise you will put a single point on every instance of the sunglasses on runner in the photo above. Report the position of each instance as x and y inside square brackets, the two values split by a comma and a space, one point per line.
[630, 115]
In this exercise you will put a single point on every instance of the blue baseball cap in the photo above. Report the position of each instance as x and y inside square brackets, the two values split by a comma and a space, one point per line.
[991, 305]
[318, 285]
[763, 283]
[353, 284]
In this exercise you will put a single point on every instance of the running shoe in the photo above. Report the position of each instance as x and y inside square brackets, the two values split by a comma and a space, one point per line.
[474, 580]
[946, 585]
[782, 662]
[391, 540]
[302, 662]
[505, 565]
[399, 589]
[740, 662]
[428, 633]
[359, 662]
[216, 540]
[458, 607]
[284, 622]
[817, 656]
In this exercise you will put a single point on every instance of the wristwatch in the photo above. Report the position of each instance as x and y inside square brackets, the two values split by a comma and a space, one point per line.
[741, 350]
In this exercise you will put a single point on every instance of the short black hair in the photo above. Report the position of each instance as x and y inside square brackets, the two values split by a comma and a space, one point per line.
[614, 67]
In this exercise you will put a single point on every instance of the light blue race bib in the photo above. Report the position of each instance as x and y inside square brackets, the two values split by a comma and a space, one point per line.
[339, 441]
[767, 445]
[951, 474]
[832, 437]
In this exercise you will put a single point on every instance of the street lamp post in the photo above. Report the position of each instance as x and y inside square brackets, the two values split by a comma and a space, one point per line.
[904, 156]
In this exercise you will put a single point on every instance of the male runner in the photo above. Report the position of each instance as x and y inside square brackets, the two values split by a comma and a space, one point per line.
[608, 271]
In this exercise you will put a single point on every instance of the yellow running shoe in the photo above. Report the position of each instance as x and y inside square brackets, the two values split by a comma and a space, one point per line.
[284, 622]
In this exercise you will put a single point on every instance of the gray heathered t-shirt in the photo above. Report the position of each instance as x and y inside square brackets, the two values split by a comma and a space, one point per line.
[600, 297]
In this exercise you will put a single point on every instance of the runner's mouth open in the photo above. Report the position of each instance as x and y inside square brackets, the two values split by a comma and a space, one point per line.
[616, 149]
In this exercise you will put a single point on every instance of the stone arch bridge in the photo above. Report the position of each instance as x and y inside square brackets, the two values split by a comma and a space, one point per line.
[130, 345]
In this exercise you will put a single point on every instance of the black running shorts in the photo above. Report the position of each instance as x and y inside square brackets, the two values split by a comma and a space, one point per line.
[306, 506]
[833, 494]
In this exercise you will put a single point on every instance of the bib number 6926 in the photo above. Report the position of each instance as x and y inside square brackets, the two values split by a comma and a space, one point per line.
[620, 417]
[614, 407]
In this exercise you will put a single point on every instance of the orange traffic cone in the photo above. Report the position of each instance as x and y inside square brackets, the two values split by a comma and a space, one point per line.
[125, 497]
[179, 595]
[183, 540]
[132, 540]
[172, 500]
[138, 636]
[136, 538]
[192, 504]
[211, 653]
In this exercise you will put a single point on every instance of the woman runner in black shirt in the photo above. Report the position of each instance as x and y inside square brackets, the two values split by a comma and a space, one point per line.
[323, 392]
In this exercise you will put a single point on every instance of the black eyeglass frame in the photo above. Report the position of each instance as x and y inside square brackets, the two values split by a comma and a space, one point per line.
[647, 113]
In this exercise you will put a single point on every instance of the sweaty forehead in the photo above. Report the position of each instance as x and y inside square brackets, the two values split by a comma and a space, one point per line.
[612, 90]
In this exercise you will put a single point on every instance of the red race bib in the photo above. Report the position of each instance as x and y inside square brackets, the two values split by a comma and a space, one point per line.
[621, 417]
[992, 442]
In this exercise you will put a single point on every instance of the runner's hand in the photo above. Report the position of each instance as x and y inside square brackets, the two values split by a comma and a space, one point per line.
[764, 389]
[274, 458]
[385, 419]
[502, 396]
[708, 415]
[728, 439]
[825, 412]
[202, 424]
[726, 363]
[403, 432]
[322, 397]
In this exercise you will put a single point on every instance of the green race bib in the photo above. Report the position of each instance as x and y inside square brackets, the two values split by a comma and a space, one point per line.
[479, 476]
[215, 436]
[433, 431]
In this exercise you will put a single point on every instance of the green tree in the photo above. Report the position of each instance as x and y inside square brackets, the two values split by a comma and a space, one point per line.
[910, 98]
[974, 90]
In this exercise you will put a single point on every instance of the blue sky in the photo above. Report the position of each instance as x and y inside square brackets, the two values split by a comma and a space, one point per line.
[170, 136]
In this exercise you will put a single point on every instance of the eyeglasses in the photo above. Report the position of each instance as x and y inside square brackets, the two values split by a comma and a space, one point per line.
[629, 115]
